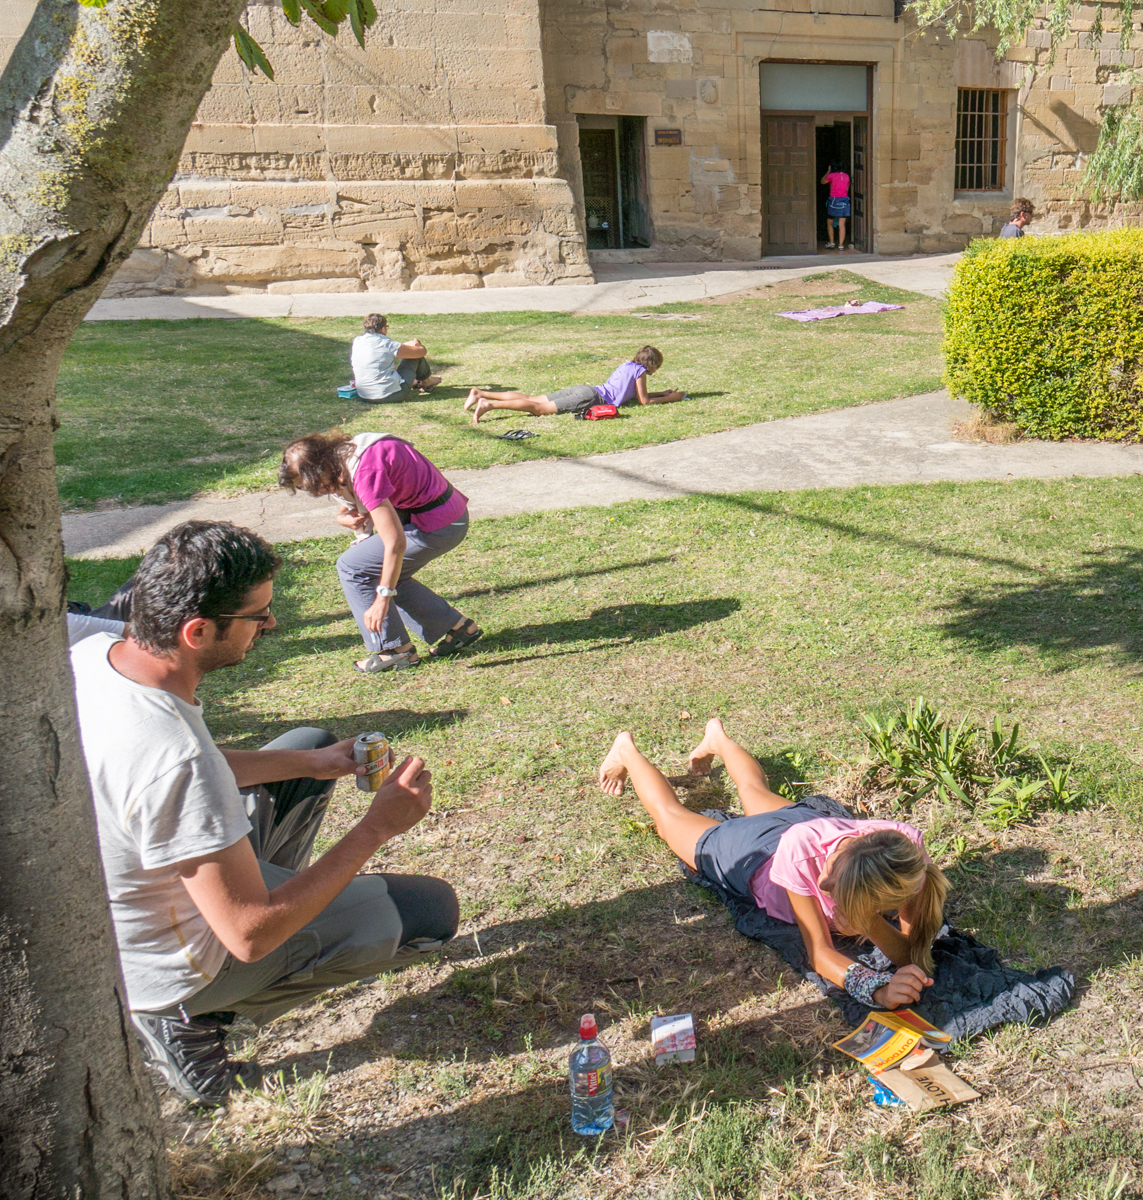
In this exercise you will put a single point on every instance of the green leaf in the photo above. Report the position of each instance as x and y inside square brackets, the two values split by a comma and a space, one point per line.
[93, 3]
[293, 11]
[336, 10]
[318, 16]
[251, 53]
[355, 22]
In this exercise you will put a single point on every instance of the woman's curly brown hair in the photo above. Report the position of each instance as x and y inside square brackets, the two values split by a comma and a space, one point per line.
[315, 463]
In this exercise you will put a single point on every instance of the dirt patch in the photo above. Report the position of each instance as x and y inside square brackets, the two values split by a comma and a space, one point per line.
[787, 287]
[983, 426]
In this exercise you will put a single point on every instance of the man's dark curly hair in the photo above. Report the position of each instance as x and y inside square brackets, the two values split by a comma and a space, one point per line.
[198, 569]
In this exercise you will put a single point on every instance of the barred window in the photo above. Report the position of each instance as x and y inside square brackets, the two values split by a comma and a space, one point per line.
[981, 139]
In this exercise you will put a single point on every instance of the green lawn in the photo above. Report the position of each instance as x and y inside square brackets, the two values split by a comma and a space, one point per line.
[161, 410]
[790, 615]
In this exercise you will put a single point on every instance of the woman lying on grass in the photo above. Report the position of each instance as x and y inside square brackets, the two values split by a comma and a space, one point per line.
[827, 875]
[628, 382]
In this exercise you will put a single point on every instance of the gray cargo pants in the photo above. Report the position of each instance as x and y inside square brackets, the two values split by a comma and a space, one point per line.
[415, 605]
[378, 923]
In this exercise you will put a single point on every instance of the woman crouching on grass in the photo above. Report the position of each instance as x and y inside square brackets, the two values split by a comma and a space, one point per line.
[403, 513]
[826, 874]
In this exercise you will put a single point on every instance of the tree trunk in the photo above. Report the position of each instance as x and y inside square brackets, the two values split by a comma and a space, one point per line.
[95, 106]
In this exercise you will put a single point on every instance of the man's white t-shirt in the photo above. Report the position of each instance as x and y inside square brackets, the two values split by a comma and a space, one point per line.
[373, 357]
[163, 793]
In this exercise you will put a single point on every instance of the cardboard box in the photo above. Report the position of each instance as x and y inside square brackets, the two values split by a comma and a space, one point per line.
[673, 1038]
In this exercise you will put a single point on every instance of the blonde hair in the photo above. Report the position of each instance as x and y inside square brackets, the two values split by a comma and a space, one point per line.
[884, 871]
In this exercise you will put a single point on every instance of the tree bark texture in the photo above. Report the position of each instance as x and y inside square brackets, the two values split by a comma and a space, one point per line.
[95, 105]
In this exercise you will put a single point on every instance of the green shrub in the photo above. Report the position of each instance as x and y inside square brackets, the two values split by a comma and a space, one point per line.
[1048, 333]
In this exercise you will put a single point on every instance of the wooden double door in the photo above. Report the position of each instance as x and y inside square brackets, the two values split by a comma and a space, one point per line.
[789, 184]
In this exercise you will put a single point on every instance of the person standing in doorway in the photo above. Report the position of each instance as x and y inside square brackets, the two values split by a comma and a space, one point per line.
[837, 206]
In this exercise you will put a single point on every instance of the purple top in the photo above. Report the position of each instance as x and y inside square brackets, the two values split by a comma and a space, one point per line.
[392, 470]
[620, 388]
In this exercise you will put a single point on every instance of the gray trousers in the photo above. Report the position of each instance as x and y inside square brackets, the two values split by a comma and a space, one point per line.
[378, 923]
[429, 617]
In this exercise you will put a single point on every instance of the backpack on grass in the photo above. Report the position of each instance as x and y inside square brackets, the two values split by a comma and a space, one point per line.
[598, 412]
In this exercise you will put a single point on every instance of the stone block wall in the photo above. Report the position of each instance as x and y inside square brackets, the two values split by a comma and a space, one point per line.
[423, 161]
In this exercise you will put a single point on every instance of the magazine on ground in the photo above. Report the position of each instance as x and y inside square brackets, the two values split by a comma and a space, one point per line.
[899, 1050]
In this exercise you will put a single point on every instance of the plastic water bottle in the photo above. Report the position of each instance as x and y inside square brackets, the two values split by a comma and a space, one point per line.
[589, 1073]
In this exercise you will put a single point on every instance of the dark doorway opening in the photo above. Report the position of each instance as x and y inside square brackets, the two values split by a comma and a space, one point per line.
[613, 158]
[834, 145]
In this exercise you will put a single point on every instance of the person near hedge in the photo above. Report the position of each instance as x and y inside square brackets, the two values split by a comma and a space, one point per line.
[1023, 211]
[216, 907]
[403, 513]
[837, 206]
[387, 370]
[825, 874]
[627, 383]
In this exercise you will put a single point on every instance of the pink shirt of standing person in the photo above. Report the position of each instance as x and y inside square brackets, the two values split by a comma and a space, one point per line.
[838, 184]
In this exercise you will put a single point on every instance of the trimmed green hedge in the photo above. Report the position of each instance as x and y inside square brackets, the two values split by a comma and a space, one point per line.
[1047, 332]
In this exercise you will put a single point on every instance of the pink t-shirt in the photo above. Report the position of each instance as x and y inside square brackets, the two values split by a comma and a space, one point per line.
[620, 387]
[838, 185]
[800, 860]
[392, 470]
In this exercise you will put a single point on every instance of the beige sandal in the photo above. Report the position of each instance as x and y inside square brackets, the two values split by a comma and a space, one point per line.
[376, 663]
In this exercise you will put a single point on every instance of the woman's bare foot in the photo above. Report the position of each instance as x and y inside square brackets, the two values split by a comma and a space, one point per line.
[428, 383]
[703, 754]
[612, 772]
[482, 406]
[473, 396]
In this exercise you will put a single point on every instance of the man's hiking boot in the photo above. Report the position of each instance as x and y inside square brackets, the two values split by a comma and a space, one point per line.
[190, 1056]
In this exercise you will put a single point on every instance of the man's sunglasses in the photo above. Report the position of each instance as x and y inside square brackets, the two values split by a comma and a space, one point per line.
[261, 618]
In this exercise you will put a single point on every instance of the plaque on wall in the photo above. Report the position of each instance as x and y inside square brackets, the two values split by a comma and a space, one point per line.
[668, 137]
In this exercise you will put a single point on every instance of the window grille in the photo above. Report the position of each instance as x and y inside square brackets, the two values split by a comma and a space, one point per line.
[981, 139]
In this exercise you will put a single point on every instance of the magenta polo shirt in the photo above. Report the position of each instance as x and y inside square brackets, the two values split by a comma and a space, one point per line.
[393, 470]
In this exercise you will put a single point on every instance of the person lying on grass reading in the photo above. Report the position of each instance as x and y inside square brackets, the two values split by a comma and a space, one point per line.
[403, 513]
[626, 384]
[825, 874]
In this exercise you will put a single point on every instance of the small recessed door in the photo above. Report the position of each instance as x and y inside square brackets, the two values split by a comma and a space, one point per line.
[598, 156]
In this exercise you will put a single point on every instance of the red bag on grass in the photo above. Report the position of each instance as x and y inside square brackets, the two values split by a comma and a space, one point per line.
[599, 412]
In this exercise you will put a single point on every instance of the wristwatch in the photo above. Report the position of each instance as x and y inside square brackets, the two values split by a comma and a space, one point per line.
[384, 591]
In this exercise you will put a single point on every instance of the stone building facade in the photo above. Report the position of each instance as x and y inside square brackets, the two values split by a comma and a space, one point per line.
[516, 141]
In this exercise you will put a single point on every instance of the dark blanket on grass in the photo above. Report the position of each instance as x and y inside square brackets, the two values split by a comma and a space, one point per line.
[972, 989]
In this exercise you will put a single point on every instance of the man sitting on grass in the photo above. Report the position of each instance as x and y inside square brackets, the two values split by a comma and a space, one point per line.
[205, 851]
[387, 370]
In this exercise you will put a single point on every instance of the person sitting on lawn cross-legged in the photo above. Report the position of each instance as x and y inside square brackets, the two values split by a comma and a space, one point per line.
[403, 513]
[387, 370]
[825, 874]
[628, 383]
[216, 907]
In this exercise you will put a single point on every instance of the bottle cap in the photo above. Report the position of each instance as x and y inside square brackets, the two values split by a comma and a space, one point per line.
[587, 1027]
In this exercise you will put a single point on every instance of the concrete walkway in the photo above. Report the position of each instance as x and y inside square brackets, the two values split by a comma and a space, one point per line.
[618, 287]
[897, 441]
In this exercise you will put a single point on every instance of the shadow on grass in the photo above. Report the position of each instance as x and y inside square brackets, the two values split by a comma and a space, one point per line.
[394, 722]
[1037, 922]
[544, 580]
[612, 625]
[1093, 607]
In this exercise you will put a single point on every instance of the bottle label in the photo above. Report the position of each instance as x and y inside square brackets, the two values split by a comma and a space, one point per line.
[588, 1084]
